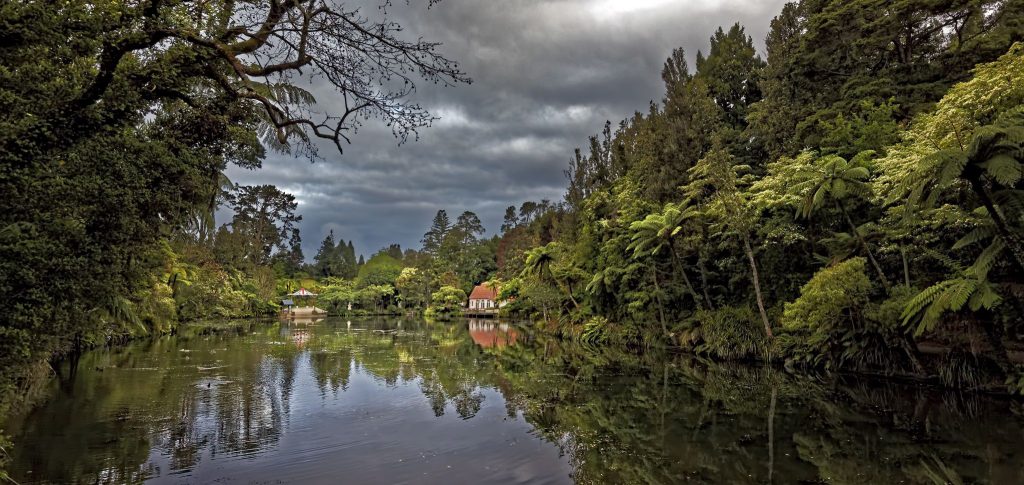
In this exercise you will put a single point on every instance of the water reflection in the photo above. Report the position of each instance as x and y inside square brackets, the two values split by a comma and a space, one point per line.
[384, 401]
[489, 333]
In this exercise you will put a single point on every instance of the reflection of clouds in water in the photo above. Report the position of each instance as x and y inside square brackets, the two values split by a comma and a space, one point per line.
[363, 402]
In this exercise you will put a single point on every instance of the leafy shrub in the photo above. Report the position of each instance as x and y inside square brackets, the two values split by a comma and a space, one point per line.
[446, 302]
[731, 333]
[835, 297]
[594, 331]
[833, 323]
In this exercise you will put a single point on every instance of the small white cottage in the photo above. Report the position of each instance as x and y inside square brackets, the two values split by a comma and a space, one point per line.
[483, 298]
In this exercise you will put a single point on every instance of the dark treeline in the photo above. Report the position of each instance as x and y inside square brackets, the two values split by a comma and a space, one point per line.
[853, 200]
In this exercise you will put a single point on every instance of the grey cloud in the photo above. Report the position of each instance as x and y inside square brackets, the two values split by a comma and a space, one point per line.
[547, 74]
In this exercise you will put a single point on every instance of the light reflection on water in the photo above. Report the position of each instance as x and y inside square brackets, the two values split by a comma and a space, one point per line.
[392, 401]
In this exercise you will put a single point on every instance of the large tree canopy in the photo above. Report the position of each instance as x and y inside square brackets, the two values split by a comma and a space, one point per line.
[119, 118]
[112, 58]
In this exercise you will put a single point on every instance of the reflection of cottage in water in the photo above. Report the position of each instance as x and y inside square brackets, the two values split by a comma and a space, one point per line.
[487, 333]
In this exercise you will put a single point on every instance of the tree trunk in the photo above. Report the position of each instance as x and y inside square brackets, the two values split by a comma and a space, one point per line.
[704, 272]
[757, 286]
[906, 265]
[704, 281]
[1013, 243]
[568, 288]
[910, 347]
[679, 267]
[864, 245]
[657, 295]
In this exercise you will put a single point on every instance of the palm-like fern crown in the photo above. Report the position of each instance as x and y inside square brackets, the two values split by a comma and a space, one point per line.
[832, 177]
[998, 149]
[538, 260]
[653, 233]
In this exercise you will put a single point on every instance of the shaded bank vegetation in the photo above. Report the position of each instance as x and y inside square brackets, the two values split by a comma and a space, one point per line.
[852, 201]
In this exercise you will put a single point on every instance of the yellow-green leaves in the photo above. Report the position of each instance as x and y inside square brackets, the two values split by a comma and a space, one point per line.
[996, 88]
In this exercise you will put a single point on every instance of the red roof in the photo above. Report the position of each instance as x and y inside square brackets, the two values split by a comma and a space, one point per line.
[482, 292]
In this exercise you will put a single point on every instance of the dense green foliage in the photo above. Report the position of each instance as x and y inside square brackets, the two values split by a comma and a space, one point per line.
[855, 200]
[118, 121]
[877, 150]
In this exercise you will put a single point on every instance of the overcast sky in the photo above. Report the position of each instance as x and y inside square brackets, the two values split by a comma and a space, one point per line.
[546, 74]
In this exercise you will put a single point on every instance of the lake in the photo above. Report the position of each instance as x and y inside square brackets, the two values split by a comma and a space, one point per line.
[388, 400]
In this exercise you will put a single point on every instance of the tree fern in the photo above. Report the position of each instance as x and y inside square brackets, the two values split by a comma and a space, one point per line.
[951, 295]
[121, 310]
[285, 94]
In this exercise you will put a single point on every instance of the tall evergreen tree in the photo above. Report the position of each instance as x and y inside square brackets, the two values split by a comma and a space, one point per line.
[325, 255]
[511, 220]
[266, 217]
[435, 236]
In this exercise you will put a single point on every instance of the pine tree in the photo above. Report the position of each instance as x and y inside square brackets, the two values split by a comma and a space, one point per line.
[439, 229]
[325, 255]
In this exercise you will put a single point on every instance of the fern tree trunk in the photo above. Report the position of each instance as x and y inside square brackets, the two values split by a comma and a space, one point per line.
[906, 265]
[679, 267]
[704, 281]
[757, 285]
[703, 271]
[863, 244]
[568, 291]
[566, 287]
[657, 296]
[1010, 238]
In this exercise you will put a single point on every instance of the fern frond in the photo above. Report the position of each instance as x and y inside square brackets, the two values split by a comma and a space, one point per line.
[986, 259]
[985, 297]
[1011, 201]
[980, 233]
[1003, 168]
[950, 164]
[916, 306]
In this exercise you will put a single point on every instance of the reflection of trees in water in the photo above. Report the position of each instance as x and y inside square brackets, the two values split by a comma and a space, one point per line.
[621, 418]
[439, 356]
[164, 399]
[331, 370]
[631, 419]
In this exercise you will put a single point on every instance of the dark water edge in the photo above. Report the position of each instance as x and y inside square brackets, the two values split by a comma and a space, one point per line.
[385, 400]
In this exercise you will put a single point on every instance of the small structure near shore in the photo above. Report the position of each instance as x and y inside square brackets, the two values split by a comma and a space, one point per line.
[483, 301]
[305, 310]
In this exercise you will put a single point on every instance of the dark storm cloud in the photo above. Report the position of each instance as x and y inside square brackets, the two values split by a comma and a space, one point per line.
[546, 74]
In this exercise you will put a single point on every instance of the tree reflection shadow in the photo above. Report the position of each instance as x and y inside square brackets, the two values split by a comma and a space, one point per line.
[619, 417]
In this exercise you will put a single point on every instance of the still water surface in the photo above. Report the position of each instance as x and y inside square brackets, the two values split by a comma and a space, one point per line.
[406, 401]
